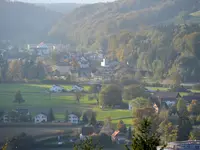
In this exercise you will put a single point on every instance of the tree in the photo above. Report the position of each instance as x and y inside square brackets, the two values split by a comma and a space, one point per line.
[18, 97]
[95, 89]
[121, 126]
[51, 116]
[15, 70]
[40, 70]
[89, 116]
[78, 96]
[181, 108]
[66, 115]
[111, 95]
[88, 144]
[184, 128]
[133, 91]
[144, 137]
[140, 102]
[194, 134]
[138, 75]
[194, 108]
[176, 77]
[168, 131]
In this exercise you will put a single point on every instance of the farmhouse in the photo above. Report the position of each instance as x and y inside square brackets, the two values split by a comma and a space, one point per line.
[118, 137]
[86, 132]
[169, 98]
[40, 118]
[77, 88]
[72, 118]
[56, 88]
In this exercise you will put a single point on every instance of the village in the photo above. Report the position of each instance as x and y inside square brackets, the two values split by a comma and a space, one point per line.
[77, 78]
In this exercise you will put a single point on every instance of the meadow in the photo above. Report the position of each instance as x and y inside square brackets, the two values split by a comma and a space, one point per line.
[37, 100]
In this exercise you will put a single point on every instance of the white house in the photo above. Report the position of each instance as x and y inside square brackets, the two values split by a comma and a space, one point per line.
[56, 89]
[77, 88]
[40, 118]
[104, 63]
[72, 118]
[42, 49]
[130, 106]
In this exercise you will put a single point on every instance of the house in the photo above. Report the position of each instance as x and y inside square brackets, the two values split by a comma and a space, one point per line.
[22, 111]
[118, 137]
[86, 132]
[5, 118]
[169, 98]
[104, 63]
[41, 49]
[77, 88]
[56, 89]
[183, 145]
[39, 118]
[193, 96]
[63, 70]
[72, 118]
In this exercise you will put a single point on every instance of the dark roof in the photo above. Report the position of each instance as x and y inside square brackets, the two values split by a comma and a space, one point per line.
[22, 111]
[191, 97]
[87, 130]
[166, 94]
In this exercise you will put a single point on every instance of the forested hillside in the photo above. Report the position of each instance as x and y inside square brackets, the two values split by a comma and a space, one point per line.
[156, 35]
[88, 24]
[22, 22]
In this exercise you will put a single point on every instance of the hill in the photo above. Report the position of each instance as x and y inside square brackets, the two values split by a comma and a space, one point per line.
[161, 36]
[85, 24]
[61, 7]
[23, 22]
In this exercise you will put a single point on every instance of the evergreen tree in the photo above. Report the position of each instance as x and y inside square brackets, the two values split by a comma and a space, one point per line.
[144, 137]
[66, 115]
[51, 116]
[18, 97]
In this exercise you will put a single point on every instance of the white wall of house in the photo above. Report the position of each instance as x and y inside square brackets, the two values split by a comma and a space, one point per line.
[40, 118]
[77, 88]
[73, 119]
[130, 106]
[170, 103]
[56, 88]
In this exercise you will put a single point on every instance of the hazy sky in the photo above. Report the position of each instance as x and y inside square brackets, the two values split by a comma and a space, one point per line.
[65, 1]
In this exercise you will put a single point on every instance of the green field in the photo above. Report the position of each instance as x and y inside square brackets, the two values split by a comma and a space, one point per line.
[37, 100]
[36, 96]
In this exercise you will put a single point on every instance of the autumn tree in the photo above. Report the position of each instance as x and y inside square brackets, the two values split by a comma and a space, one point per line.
[121, 126]
[167, 131]
[194, 108]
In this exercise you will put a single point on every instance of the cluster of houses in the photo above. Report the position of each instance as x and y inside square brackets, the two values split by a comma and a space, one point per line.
[170, 98]
[23, 115]
[59, 89]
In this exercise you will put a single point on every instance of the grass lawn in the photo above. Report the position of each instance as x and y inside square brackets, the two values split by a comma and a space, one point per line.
[113, 113]
[158, 88]
[35, 96]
